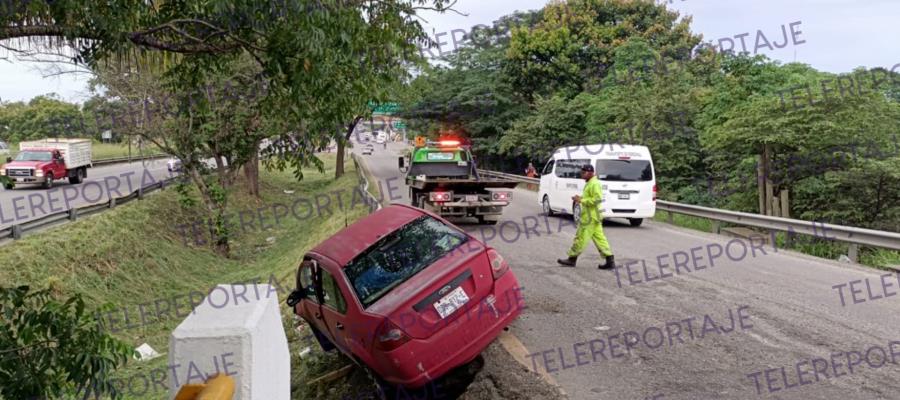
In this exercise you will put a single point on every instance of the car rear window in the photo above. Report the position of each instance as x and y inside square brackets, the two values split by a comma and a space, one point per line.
[400, 255]
[624, 170]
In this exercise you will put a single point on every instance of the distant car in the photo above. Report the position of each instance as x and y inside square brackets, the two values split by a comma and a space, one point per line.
[367, 151]
[405, 294]
[173, 165]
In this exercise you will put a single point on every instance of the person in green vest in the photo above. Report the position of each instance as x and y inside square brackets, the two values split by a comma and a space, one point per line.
[591, 225]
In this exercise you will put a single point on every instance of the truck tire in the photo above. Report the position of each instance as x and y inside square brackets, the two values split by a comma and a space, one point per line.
[78, 178]
[48, 183]
[636, 222]
[8, 186]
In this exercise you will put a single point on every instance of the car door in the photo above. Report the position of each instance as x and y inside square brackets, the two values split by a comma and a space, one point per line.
[334, 310]
[310, 281]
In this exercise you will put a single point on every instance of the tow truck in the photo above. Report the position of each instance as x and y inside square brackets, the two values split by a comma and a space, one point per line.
[443, 178]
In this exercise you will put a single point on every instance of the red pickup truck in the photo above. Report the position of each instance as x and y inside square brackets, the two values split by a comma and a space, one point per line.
[43, 162]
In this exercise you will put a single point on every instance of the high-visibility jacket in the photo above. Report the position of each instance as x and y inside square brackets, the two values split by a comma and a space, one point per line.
[591, 201]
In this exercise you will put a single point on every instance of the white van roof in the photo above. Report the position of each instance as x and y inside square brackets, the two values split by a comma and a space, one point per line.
[602, 151]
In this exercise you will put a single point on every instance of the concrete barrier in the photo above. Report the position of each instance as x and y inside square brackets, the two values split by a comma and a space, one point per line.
[236, 331]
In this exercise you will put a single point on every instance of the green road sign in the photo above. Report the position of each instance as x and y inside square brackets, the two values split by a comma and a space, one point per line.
[399, 125]
[384, 108]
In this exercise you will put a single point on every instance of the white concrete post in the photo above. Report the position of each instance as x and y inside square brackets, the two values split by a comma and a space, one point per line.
[237, 330]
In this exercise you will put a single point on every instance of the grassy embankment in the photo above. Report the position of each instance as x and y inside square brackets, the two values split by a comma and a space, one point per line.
[134, 254]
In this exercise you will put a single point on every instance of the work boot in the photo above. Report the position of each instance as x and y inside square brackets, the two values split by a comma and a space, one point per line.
[568, 262]
[610, 263]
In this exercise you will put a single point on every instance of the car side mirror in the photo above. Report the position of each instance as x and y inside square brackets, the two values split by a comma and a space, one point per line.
[295, 297]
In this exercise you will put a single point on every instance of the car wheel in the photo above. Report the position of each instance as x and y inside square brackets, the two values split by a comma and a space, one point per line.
[576, 213]
[636, 221]
[48, 183]
[546, 206]
[8, 186]
[483, 221]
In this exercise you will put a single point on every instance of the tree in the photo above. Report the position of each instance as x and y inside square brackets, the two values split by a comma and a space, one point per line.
[320, 63]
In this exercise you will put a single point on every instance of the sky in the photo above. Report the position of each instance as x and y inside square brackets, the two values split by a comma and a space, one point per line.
[831, 35]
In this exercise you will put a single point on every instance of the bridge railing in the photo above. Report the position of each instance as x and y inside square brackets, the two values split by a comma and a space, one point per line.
[854, 236]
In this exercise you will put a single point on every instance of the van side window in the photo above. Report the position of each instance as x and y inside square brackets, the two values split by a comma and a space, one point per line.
[570, 168]
[548, 169]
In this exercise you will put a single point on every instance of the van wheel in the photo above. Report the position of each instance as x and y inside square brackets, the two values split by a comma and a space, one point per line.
[545, 204]
[636, 221]
[576, 213]
[8, 186]
[48, 183]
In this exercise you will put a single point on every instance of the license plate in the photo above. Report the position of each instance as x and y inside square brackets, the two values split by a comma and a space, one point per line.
[472, 198]
[624, 196]
[451, 302]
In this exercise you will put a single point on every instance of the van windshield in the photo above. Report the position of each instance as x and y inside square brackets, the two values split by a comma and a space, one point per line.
[624, 170]
[399, 255]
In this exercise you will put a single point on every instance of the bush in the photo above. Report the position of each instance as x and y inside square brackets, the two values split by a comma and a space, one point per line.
[52, 349]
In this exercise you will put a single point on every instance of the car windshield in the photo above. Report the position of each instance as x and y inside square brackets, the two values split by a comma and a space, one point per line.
[400, 255]
[34, 156]
[624, 170]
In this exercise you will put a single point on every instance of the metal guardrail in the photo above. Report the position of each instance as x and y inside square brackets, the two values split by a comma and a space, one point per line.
[364, 183]
[15, 232]
[853, 235]
[116, 160]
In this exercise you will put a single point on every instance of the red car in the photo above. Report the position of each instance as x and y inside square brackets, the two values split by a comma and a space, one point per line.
[406, 294]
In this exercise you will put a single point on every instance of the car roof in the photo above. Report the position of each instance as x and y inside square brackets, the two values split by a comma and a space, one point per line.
[345, 245]
[602, 151]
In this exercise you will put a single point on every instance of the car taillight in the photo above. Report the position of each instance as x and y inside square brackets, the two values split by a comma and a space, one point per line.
[498, 264]
[389, 337]
[654, 192]
[440, 196]
[501, 196]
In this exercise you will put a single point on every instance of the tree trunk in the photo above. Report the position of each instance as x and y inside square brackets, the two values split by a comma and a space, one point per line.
[341, 148]
[215, 210]
[339, 168]
[251, 172]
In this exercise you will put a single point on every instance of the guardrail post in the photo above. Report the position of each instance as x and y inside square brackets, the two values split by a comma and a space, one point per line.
[72, 213]
[853, 253]
[140, 193]
[671, 218]
[112, 202]
[716, 227]
[16, 231]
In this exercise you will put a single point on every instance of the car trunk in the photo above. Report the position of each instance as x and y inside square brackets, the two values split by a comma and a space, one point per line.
[411, 305]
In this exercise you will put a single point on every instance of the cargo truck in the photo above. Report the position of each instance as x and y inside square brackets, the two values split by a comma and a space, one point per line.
[45, 161]
[442, 178]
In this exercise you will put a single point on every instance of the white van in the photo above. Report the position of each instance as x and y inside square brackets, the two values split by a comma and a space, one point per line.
[625, 172]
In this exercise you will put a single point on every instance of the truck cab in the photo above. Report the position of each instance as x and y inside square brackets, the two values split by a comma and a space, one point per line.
[45, 161]
[36, 166]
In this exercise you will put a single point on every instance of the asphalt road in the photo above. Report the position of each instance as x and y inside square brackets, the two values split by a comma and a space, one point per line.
[28, 202]
[785, 311]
